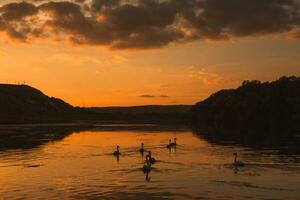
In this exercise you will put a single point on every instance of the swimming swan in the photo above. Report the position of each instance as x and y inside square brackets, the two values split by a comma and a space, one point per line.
[147, 167]
[173, 144]
[169, 145]
[237, 163]
[117, 152]
[151, 159]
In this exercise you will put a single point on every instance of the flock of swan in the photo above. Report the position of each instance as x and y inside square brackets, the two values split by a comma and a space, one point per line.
[151, 160]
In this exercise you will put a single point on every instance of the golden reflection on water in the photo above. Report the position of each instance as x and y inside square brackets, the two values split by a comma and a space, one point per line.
[81, 166]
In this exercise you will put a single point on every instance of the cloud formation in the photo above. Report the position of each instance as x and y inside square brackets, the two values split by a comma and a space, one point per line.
[142, 24]
[153, 96]
[164, 96]
[147, 96]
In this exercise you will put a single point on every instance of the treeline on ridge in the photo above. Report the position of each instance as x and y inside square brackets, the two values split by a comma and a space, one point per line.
[254, 108]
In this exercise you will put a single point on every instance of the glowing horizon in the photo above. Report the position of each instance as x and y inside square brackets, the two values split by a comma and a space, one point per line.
[117, 59]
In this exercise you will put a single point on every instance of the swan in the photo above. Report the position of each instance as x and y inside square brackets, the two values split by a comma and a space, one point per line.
[151, 159]
[147, 167]
[169, 145]
[117, 152]
[173, 144]
[142, 150]
[237, 163]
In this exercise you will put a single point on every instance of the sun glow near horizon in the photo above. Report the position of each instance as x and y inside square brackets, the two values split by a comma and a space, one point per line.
[136, 64]
[174, 75]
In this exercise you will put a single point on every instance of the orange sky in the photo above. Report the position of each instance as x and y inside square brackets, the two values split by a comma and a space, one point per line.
[174, 73]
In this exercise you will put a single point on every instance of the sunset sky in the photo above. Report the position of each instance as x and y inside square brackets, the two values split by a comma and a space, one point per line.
[137, 52]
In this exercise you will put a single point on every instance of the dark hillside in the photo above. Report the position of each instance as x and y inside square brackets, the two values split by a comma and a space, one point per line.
[22, 102]
[254, 108]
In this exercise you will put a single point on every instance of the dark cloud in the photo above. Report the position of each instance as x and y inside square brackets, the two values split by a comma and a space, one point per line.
[68, 18]
[147, 96]
[17, 21]
[164, 96]
[149, 38]
[141, 24]
[17, 11]
[149, 24]
[152, 96]
[221, 19]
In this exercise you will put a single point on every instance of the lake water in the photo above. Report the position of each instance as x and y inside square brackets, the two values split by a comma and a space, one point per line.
[60, 163]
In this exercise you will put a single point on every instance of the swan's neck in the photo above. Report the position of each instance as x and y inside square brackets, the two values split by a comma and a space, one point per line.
[148, 161]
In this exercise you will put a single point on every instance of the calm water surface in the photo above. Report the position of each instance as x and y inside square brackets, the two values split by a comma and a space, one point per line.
[80, 165]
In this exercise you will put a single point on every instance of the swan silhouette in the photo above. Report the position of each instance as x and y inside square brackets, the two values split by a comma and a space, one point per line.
[237, 163]
[173, 144]
[169, 145]
[151, 159]
[117, 152]
[147, 166]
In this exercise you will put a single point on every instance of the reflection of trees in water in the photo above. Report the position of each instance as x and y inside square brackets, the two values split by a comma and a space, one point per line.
[284, 144]
[32, 137]
[27, 137]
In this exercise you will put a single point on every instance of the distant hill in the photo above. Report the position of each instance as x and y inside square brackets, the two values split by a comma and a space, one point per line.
[144, 114]
[254, 108]
[24, 103]
[143, 109]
